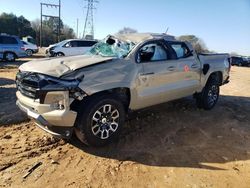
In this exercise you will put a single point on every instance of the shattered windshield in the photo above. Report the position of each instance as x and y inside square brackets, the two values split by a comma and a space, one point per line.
[112, 47]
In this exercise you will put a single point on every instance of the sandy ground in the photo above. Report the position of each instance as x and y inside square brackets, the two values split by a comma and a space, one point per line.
[170, 145]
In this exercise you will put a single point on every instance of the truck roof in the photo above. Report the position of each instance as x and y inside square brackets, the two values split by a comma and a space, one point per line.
[139, 37]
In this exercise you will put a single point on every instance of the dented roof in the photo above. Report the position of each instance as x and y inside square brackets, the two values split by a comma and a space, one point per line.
[139, 37]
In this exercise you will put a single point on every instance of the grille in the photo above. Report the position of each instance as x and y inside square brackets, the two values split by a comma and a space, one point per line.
[27, 84]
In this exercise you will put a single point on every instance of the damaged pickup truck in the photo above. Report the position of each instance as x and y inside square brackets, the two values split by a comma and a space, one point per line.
[92, 93]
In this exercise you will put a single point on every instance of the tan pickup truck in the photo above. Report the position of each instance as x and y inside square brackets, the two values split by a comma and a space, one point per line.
[92, 93]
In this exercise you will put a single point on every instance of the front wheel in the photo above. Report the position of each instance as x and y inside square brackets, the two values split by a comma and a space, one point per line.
[209, 96]
[101, 120]
[9, 56]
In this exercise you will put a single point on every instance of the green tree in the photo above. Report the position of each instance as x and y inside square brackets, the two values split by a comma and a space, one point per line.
[13, 25]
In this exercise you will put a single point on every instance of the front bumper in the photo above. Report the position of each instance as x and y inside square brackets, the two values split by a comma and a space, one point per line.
[59, 123]
[35, 51]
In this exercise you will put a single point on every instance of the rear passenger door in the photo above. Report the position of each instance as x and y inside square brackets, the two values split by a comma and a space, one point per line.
[189, 68]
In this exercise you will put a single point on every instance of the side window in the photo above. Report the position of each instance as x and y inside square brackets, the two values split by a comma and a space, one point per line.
[180, 49]
[74, 44]
[9, 40]
[81, 43]
[86, 43]
[89, 43]
[152, 52]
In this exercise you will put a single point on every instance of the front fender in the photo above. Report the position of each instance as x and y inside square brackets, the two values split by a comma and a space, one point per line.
[104, 87]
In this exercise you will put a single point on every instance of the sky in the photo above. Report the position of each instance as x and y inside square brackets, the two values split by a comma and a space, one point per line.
[224, 25]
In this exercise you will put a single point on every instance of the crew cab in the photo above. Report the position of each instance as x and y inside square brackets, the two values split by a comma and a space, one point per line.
[92, 93]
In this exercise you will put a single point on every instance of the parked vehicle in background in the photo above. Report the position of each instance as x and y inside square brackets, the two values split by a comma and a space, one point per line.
[29, 39]
[30, 48]
[91, 94]
[239, 61]
[70, 47]
[11, 47]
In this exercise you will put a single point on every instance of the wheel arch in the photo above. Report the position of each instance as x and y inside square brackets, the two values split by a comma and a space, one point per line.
[60, 53]
[4, 53]
[217, 75]
[123, 93]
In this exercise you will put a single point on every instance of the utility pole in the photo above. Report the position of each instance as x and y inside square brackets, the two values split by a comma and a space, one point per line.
[47, 5]
[59, 25]
[88, 32]
[77, 21]
[41, 27]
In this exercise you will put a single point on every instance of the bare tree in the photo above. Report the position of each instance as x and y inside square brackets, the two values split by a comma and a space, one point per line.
[198, 44]
[49, 35]
[127, 30]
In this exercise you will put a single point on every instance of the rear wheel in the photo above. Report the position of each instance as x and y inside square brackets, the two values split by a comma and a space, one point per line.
[29, 52]
[60, 54]
[208, 98]
[101, 121]
[9, 56]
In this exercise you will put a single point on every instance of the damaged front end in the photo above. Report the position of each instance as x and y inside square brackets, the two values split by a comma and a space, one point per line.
[47, 100]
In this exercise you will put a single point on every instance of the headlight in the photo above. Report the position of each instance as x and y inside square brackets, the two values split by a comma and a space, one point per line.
[52, 85]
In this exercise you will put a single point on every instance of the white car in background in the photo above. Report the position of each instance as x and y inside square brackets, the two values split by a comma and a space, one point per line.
[70, 47]
[30, 48]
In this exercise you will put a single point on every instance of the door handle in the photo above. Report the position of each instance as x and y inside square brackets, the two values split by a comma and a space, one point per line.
[171, 68]
[194, 66]
[147, 73]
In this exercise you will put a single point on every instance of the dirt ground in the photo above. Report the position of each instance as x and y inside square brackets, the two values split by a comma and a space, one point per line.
[170, 145]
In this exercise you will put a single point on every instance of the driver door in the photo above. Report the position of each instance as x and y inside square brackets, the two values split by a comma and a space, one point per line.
[158, 73]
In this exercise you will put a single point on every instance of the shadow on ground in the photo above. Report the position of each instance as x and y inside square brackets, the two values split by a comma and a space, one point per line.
[9, 112]
[177, 134]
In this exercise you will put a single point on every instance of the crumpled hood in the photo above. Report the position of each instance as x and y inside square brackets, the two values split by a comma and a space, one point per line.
[59, 66]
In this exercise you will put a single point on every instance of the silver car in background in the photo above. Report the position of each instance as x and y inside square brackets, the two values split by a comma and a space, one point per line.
[70, 47]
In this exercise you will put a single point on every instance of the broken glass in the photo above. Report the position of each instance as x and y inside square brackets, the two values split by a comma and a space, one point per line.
[112, 47]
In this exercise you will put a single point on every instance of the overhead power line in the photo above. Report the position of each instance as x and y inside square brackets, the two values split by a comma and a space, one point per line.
[48, 5]
[88, 31]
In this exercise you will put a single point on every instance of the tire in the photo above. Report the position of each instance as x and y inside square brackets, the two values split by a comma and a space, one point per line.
[208, 98]
[60, 54]
[240, 64]
[29, 52]
[9, 56]
[101, 120]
